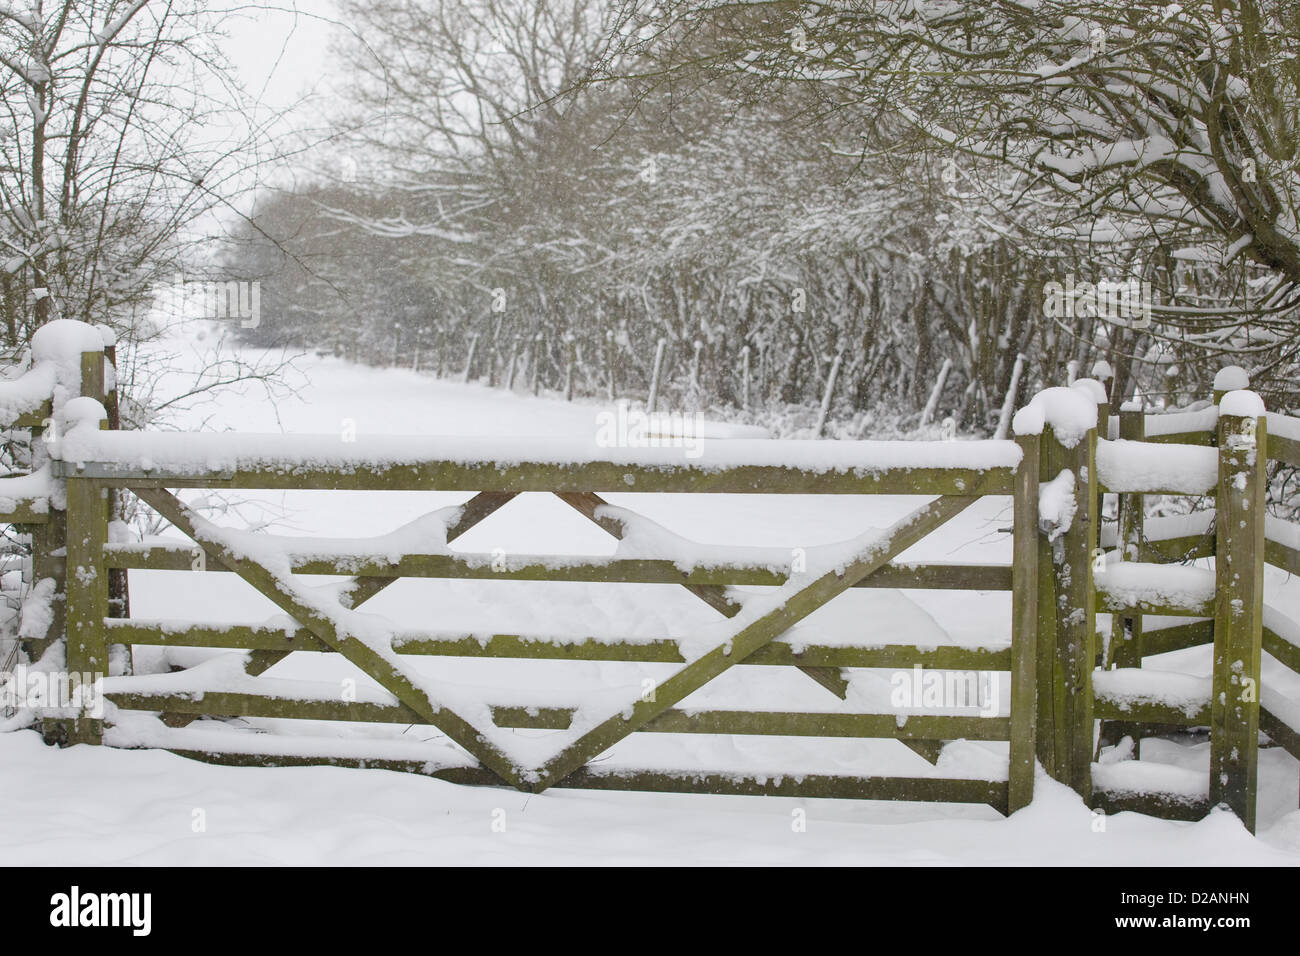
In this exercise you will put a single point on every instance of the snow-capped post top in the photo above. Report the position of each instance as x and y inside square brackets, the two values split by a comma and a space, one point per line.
[1241, 403]
[1070, 411]
[1093, 388]
[82, 412]
[1231, 378]
[63, 340]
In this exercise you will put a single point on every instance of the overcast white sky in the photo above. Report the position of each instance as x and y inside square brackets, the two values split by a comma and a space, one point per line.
[280, 51]
[280, 54]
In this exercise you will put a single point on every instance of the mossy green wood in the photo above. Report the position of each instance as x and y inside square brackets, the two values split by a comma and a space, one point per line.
[1238, 619]
[355, 650]
[1050, 722]
[516, 477]
[1202, 439]
[1280, 732]
[1282, 649]
[1285, 450]
[1150, 712]
[25, 512]
[1126, 629]
[33, 419]
[1177, 638]
[1282, 556]
[1076, 622]
[1169, 806]
[920, 727]
[576, 648]
[900, 536]
[1070, 617]
[1119, 604]
[935, 789]
[1024, 629]
[1176, 550]
[87, 592]
[962, 577]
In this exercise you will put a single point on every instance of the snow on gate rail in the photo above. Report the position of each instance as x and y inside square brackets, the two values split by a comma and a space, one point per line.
[758, 628]
[1064, 570]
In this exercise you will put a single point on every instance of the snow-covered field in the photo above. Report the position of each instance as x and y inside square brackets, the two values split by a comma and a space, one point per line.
[88, 805]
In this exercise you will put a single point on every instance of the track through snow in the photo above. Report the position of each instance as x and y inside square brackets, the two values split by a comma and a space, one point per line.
[88, 805]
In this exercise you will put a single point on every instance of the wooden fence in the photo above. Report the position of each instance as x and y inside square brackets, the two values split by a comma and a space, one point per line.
[753, 640]
[1066, 679]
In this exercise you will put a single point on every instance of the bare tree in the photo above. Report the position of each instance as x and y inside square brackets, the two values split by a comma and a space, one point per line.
[1170, 125]
[105, 159]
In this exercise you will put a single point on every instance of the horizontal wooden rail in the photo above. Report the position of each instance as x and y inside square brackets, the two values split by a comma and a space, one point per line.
[779, 723]
[27, 511]
[1169, 806]
[597, 476]
[1285, 450]
[1149, 712]
[955, 576]
[1177, 638]
[33, 419]
[830, 786]
[1281, 556]
[579, 648]
[1280, 732]
[1112, 604]
[1281, 649]
[1202, 438]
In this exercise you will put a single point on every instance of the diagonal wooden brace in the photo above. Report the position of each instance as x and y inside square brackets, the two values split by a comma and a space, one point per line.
[899, 537]
[360, 590]
[370, 661]
[586, 503]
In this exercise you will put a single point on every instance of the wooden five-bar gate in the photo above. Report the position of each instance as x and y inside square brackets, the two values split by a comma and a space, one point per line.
[1070, 686]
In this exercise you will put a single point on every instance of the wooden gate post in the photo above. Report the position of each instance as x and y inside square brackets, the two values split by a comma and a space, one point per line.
[1126, 632]
[1067, 620]
[1238, 612]
[86, 654]
[1024, 628]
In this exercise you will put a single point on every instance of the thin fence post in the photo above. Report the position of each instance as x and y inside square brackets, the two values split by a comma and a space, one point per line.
[827, 396]
[936, 393]
[1126, 632]
[535, 364]
[469, 357]
[610, 351]
[1009, 400]
[1024, 616]
[744, 378]
[569, 360]
[513, 364]
[1238, 614]
[1050, 717]
[654, 375]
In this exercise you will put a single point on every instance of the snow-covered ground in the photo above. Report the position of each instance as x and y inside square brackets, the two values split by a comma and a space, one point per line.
[88, 805]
